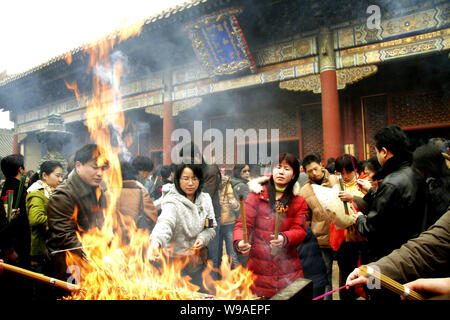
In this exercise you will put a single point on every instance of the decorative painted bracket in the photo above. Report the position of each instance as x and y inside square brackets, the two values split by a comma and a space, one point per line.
[178, 106]
[343, 78]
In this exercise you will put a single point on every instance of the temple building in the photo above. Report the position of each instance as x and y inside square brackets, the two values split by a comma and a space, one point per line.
[315, 76]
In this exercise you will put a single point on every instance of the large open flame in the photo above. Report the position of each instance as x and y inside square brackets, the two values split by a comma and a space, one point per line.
[114, 267]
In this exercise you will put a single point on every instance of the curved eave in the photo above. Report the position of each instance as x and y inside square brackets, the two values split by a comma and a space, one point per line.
[152, 19]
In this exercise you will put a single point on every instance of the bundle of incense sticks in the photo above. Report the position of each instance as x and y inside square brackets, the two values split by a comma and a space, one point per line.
[279, 212]
[5, 205]
[341, 184]
[243, 220]
[390, 284]
[19, 194]
[9, 202]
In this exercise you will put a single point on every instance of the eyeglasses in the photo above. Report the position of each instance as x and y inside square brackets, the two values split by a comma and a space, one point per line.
[187, 179]
[245, 171]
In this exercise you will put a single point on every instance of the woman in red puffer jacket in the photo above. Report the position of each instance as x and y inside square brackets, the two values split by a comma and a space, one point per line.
[274, 271]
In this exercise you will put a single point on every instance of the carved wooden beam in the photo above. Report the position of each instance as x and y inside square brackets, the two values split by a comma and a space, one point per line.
[343, 76]
[178, 106]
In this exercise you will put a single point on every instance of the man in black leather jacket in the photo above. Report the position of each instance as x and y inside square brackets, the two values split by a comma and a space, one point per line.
[397, 207]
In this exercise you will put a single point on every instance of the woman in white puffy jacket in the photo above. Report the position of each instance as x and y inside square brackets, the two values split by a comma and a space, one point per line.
[187, 220]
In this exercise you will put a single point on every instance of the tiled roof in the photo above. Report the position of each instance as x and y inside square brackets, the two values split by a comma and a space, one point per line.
[162, 15]
[6, 142]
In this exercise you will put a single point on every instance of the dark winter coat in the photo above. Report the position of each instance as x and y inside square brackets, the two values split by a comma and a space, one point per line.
[397, 208]
[16, 234]
[438, 200]
[212, 181]
[273, 272]
[312, 262]
[73, 207]
[72, 193]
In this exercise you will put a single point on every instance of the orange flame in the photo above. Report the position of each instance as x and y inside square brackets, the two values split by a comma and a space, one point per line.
[68, 57]
[115, 264]
[74, 217]
[73, 86]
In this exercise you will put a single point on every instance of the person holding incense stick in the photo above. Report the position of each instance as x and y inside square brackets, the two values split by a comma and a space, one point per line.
[239, 181]
[421, 263]
[318, 216]
[82, 193]
[276, 220]
[397, 208]
[15, 238]
[186, 222]
[353, 248]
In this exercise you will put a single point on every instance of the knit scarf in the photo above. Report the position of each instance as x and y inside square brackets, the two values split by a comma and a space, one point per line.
[42, 185]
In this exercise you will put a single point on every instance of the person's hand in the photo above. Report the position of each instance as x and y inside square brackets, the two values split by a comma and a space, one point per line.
[198, 244]
[11, 256]
[276, 243]
[244, 248]
[356, 215]
[430, 287]
[153, 252]
[345, 196]
[363, 185]
[355, 278]
[15, 213]
[233, 203]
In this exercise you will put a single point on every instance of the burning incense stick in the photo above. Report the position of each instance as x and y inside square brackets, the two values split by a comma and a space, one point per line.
[244, 221]
[390, 284]
[71, 249]
[39, 277]
[279, 213]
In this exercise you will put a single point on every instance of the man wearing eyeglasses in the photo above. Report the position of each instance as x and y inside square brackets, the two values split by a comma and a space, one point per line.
[76, 206]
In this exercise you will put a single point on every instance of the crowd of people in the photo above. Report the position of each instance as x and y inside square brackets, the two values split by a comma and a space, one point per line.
[391, 211]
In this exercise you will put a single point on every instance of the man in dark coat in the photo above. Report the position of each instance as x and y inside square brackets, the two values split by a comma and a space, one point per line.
[15, 235]
[76, 206]
[397, 207]
[422, 264]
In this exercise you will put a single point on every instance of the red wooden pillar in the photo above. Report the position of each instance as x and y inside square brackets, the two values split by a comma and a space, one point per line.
[15, 146]
[167, 132]
[331, 120]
